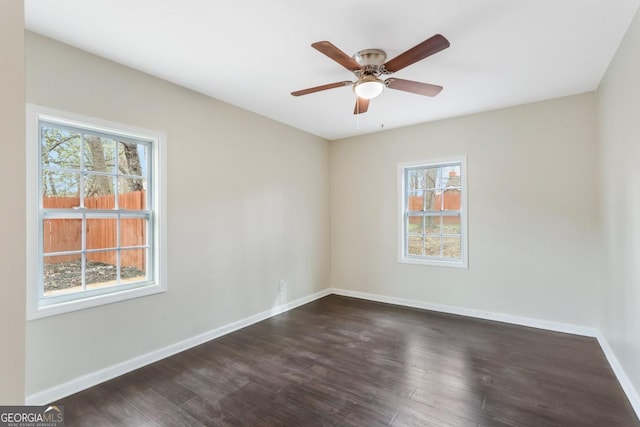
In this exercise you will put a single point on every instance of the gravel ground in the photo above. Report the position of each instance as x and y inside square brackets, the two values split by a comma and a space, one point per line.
[65, 275]
[451, 247]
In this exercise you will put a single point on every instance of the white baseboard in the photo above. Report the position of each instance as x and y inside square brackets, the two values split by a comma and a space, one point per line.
[479, 314]
[623, 379]
[84, 382]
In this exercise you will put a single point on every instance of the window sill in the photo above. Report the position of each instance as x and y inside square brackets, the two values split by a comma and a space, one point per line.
[433, 262]
[35, 312]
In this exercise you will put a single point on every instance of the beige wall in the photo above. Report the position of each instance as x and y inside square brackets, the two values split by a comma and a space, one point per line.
[619, 120]
[248, 205]
[12, 189]
[532, 203]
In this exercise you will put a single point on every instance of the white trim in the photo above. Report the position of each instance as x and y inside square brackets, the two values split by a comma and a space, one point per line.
[93, 301]
[464, 217]
[89, 380]
[621, 375]
[81, 383]
[158, 178]
[566, 328]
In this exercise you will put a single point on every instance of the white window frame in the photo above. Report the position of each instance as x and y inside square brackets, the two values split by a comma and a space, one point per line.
[463, 262]
[39, 306]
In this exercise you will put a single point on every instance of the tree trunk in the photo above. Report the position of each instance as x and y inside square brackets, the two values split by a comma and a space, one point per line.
[98, 185]
[131, 165]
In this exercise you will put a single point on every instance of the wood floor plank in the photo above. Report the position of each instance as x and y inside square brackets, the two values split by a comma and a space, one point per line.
[209, 413]
[346, 362]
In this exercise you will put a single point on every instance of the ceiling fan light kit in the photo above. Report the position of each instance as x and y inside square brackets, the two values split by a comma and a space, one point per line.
[369, 64]
[368, 87]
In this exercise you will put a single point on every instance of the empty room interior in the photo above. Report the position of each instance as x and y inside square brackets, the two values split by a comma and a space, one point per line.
[338, 213]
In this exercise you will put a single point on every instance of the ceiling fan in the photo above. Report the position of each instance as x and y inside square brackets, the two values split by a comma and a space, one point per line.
[369, 64]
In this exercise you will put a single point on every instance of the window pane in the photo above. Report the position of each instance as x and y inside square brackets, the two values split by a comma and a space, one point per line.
[132, 158]
[102, 233]
[414, 245]
[64, 187]
[433, 229]
[451, 200]
[61, 235]
[95, 228]
[132, 194]
[433, 224]
[452, 175]
[62, 274]
[414, 225]
[60, 148]
[133, 266]
[133, 232]
[99, 192]
[415, 201]
[101, 269]
[451, 247]
[451, 225]
[432, 246]
[99, 154]
[415, 180]
[433, 177]
[432, 201]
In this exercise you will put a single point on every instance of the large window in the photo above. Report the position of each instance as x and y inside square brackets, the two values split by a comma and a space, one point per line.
[97, 209]
[433, 226]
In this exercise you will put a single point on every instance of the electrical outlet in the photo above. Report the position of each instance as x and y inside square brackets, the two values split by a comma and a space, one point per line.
[283, 285]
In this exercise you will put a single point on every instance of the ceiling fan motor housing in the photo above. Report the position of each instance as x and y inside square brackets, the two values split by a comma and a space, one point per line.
[366, 57]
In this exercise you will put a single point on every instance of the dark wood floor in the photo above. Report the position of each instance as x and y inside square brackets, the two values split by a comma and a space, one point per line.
[341, 361]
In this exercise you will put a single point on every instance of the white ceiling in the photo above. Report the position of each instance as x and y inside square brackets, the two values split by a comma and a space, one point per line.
[253, 53]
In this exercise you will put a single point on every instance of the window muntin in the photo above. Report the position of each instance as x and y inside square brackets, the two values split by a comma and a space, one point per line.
[96, 228]
[97, 207]
[433, 218]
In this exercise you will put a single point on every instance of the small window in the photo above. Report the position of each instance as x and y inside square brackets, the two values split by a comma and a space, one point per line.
[98, 212]
[433, 224]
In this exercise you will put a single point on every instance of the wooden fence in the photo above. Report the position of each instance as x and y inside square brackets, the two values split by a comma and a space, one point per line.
[66, 234]
[451, 202]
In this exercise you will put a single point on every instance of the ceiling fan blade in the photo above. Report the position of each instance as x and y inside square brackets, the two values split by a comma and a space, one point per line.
[425, 89]
[427, 48]
[337, 55]
[320, 88]
[362, 105]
